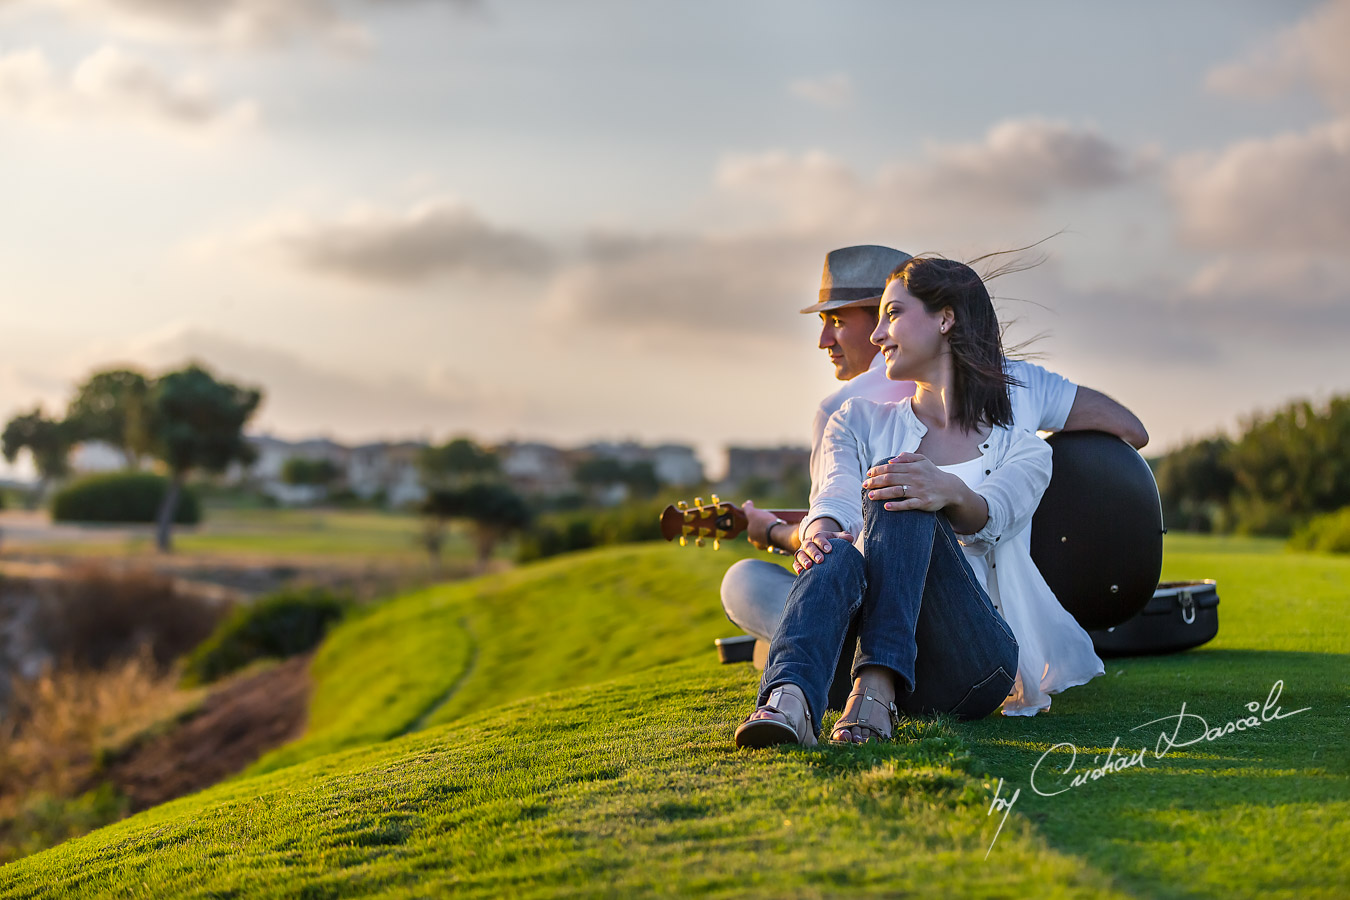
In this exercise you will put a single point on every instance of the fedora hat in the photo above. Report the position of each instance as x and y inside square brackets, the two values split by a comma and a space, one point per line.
[855, 276]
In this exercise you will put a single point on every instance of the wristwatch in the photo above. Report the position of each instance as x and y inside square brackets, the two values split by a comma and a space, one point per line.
[768, 536]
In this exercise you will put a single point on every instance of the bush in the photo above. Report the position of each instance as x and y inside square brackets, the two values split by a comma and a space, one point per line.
[566, 532]
[283, 624]
[1328, 533]
[96, 618]
[121, 497]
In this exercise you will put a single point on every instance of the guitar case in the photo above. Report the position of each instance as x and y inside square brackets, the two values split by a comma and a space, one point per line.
[1097, 540]
[1180, 615]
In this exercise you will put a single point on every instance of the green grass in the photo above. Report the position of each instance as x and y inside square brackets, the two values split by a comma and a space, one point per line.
[325, 534]
[586, 750]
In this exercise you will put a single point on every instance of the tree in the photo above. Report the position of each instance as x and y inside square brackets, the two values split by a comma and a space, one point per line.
[1195, 483]
[456, 463]
[601, 472]
[301, 470]
[111, 407]
[196, 423]
[47, 439]
[494, 509]
[1290, 465]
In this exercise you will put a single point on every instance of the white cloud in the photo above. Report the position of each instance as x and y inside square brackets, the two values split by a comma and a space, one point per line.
[1018, 166]
[431, 239]
[235, 23]
[1311, 53]
[1286, 194]
[112, 85]
[832, 91]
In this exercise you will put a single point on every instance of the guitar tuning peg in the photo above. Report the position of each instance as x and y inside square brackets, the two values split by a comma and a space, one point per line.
[698, 501]
[683, 541]
[716, 500]
[681, 505]
[698, 542]
[717, 545]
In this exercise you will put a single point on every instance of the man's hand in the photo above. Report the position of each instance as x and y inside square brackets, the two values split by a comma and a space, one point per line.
[758, 522]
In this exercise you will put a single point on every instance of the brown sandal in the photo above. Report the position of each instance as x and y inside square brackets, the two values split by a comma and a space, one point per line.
[770, 732]
[862, 718]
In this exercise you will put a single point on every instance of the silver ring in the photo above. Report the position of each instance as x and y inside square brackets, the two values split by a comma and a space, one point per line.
[904, 491]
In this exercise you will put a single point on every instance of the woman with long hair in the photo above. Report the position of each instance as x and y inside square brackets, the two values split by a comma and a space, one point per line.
[937, 597]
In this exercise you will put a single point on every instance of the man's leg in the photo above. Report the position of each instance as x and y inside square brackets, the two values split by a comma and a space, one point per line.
[754, 594]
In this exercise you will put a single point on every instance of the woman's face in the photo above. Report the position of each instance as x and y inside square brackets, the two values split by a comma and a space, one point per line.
[910, 337]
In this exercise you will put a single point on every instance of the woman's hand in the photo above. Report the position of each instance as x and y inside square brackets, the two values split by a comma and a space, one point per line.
[814, 548]
[911, 481]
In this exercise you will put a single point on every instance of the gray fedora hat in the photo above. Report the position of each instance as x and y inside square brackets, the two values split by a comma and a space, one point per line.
[855, 276]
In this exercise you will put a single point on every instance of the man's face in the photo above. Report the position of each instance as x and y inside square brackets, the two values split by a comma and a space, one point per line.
[846, 334]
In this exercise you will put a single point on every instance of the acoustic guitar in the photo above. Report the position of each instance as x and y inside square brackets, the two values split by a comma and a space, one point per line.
[718, 520]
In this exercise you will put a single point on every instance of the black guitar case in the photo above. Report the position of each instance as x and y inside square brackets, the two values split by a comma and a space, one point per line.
[1097, 539]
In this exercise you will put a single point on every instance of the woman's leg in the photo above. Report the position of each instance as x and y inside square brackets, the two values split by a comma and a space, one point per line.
[926, 620]
[810, 635]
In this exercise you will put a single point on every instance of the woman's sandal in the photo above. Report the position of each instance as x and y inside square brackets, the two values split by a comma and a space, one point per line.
[862, 718]
[765, 732]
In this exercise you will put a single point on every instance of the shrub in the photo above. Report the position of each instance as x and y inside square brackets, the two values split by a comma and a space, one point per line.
[96, 618]
[283, 624]
[121, 497]
[1327, 533]
[566, 532]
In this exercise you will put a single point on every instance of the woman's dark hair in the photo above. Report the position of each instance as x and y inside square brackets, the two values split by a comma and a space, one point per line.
[976, 345]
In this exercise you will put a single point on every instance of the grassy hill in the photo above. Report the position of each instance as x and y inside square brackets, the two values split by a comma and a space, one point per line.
[566, 729]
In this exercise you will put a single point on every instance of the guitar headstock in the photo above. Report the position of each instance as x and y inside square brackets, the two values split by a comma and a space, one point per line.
[716, 520]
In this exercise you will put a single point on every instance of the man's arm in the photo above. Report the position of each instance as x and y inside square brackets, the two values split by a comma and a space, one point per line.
[1094, 411]
[761, 522]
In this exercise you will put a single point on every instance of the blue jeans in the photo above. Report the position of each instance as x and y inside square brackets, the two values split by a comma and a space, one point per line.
[917, 610]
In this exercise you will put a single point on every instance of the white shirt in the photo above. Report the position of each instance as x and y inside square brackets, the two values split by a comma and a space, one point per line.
[1041, 403]
[1054, 652]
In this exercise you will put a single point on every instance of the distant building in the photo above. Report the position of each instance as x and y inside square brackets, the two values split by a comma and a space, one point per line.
[388, 469]
[93, 457]
[534, 468]
[774, 464]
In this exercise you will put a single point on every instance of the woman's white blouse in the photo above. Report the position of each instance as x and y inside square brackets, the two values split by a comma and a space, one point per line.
[1054, 652]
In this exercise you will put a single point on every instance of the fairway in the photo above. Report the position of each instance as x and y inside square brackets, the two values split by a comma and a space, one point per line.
[565, 729]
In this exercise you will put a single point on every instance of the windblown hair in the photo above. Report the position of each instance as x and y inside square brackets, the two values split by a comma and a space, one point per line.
[976, 344]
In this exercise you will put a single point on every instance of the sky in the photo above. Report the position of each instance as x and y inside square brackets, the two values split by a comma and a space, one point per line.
[598, 220]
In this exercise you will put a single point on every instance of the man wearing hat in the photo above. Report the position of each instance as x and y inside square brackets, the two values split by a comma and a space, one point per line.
[754, 592]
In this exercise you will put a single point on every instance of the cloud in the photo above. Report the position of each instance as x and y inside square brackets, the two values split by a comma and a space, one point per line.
[432, 239]
[1286, 193]
[1018, 166]
[307, 397]
[236, 23]
[1311, 53]
[832, 91]
[702, 288]
[112, 85]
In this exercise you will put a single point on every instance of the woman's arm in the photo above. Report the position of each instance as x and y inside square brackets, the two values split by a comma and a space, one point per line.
[1013, 490]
